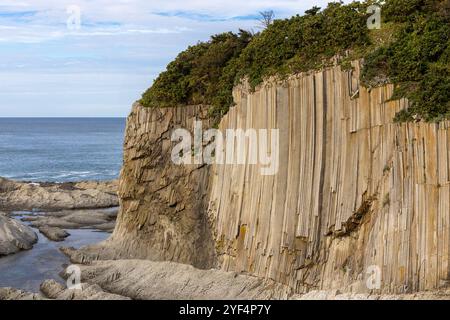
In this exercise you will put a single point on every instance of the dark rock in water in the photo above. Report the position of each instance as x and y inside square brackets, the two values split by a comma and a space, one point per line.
[14, 236]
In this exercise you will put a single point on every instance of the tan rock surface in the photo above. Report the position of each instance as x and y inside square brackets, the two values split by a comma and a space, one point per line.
[100, 219]
[15, 294]
[15, 236]
[149, 280]
[56, 291]
[162, 204]
[52, 196]
[355, 192]
[336, 295]
[54, 233]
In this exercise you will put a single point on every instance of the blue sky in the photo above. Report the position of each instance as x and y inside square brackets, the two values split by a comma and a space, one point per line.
[48, 69]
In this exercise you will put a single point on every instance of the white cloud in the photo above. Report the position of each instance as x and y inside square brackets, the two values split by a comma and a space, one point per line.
[126, 43]
[45, 20]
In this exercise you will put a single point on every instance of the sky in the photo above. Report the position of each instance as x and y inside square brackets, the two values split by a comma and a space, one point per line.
[94, 58]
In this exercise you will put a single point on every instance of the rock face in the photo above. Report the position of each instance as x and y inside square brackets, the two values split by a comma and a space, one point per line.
[359, 203]
[15, 294]
[15, 236]
[162, 204]
[54, 196]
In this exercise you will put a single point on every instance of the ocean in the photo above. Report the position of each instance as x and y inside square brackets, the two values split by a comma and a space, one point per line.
[61, 149]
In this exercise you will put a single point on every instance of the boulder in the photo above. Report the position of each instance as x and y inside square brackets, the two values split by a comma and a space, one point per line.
[15, 236]
[16, 195]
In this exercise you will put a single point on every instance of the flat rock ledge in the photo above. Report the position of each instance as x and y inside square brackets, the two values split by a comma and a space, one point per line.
[15, 236]
[56, 291]
[16, 195]
[54, 233]
[150, 280]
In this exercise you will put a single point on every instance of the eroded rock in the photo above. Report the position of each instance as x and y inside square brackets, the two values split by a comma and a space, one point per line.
[162, 203]
[57, 196]
[54, 233]
[149, 280]
[16, 294]
[15, 236]
[56, 291]
[100, 219]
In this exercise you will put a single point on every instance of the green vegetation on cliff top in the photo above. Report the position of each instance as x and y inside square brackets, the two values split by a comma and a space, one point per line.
[411, 50]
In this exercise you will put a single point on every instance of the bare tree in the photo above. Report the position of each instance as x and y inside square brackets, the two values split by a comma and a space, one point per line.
[266, 18]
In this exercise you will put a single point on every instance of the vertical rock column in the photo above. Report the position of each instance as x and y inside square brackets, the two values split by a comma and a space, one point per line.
[354, 193]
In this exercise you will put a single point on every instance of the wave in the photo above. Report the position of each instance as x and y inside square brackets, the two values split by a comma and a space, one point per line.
[64, 176]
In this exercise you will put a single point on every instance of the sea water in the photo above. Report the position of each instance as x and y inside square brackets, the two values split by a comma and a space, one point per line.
[61, 149]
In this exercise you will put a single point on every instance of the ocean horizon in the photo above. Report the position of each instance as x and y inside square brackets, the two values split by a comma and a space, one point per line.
[61, 149]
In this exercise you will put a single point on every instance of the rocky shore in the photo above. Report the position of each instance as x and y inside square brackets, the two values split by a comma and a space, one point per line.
[226, 232]
[150, 280]
[53, 209]
[14, 236]
[107, 273]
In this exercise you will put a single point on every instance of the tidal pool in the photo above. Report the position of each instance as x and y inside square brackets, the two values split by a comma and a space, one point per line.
[26, 270]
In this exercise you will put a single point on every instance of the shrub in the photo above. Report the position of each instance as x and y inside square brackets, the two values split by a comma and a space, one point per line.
[412, 51]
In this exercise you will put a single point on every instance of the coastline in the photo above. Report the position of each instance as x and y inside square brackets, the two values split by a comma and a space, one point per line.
[35, 217]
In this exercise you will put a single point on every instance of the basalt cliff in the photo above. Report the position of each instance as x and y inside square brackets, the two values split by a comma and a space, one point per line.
[360, 204]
